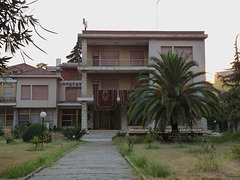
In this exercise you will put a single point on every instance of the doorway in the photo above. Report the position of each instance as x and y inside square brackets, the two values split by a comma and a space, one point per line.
[103, 120]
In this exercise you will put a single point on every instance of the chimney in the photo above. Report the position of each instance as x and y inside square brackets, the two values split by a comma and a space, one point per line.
[58, 62]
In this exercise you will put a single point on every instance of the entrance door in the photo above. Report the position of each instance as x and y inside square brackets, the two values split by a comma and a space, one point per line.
[104, 120]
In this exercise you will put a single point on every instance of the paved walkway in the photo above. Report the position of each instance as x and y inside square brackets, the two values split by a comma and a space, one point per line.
[97, 159]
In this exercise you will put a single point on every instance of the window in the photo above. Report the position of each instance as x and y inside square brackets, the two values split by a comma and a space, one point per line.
[72, 93]
[40, 92]
[26, 116]
[7, 92]
[6, 117]
[71, 117]
[95, 57]
[165, 49]
[75, 75]
[109, 58]
[109, 84]
[25, 92]
[137, 57]
[185, 51]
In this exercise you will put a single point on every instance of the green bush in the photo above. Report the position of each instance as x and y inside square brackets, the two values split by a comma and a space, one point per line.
[75, 133]
[33, 130]
[235, 136]
[18, 131]
[149, 139]
[121, 134]
[1, 131]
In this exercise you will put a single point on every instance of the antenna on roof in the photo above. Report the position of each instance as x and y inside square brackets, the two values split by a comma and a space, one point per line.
[85, 24]
[157, 12]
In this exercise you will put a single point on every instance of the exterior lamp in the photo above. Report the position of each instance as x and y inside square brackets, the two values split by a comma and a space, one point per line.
[43, 115]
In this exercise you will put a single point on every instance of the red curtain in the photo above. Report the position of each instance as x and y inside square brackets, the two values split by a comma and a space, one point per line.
[105, 100]
[123, 94]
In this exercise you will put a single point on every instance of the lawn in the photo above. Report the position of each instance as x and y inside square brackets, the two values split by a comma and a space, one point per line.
[198, 160]
[19, 159]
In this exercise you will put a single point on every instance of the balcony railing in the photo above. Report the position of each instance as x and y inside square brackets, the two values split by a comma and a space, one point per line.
[118, 62]
[10, 99]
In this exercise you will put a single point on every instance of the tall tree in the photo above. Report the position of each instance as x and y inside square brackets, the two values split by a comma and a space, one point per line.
[17, 27]
[76, 54]
[169, 97]
[233, 79]
[231, 98]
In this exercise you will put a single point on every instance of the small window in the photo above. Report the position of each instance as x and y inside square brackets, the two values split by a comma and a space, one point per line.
[25, 92]
[40, 92]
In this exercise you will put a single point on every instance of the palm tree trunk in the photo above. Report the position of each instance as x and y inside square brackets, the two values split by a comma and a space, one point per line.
[174, 126]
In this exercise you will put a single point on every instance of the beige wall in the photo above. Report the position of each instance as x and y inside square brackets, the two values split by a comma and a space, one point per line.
[52, 93]
[198, 48]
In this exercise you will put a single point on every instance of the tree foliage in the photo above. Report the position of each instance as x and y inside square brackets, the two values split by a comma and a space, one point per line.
[41, 65]
[17, 27]
[231, 99]
[233, 79]
[76, 54]
[168, 95]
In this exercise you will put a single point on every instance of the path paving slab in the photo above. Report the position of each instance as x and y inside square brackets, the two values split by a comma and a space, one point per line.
[97, 159]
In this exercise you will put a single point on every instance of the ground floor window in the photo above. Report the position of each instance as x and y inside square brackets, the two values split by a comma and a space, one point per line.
[27, 116]
[71, 117]
[6, 116]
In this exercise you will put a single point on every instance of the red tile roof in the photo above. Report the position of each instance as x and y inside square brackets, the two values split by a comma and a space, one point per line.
[37, 71]
[19, 67]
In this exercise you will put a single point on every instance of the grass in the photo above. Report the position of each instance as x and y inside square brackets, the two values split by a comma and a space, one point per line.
[199, 160]
[19, 159]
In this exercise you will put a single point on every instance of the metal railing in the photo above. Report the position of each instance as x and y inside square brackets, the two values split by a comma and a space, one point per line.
[10, 99]
[118, 62]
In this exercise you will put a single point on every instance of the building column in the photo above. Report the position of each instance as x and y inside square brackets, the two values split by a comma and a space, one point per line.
[84, 115]
[84, 52]
[15, 117]
[123, 118]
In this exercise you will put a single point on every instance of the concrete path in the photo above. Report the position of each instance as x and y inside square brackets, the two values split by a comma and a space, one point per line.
[97, 159]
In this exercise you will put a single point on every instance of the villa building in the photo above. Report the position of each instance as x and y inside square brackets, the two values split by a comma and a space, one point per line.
[93, 92]
[111, 61]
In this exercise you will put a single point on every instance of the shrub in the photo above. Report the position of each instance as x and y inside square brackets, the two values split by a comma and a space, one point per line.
[235, 136]
[121, 134]
[33, 130]
[75, 133]
[35, 140]
[1, 131]
[18, 131]
[149, 139]
[235, 148]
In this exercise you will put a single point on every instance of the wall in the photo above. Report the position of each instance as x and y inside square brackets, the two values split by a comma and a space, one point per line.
[52, 93]
[198, 48]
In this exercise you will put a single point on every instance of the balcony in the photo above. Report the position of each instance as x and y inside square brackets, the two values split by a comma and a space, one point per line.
[7, 101]
[113, 65]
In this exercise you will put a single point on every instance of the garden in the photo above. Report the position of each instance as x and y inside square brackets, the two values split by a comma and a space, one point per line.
[24, 149]
[205, 157]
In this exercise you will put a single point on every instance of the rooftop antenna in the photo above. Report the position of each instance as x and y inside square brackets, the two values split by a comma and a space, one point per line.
[85, 24]
[157, 12]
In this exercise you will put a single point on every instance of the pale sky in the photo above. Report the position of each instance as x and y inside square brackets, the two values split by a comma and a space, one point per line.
[218, 18]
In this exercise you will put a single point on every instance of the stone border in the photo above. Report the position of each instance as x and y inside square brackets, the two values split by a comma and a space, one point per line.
[42, 167]
[135, 167]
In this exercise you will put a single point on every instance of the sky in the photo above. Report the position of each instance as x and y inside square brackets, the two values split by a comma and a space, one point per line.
[218, 18]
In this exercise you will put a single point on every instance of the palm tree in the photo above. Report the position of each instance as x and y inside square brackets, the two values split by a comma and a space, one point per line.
[170, 95]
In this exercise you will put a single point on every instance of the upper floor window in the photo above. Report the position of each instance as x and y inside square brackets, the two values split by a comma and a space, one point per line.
[72, 93]
[75, 75]
[109, 57]
[137, 57]
[7, 92]
[25, 92]
[40, 92]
